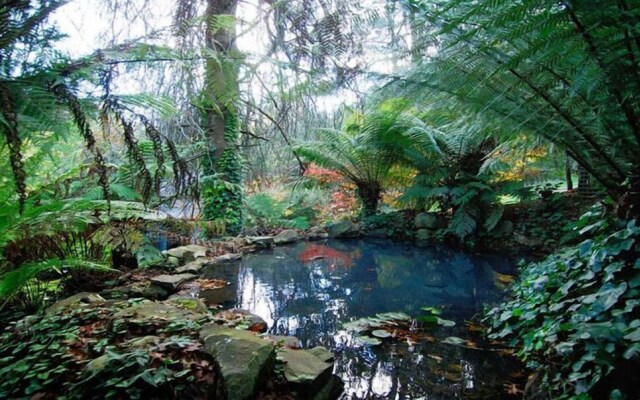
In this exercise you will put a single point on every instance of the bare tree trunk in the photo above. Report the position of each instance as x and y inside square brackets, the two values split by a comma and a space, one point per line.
[567, 171]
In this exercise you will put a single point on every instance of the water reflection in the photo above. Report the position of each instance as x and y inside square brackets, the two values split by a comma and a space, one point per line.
[309, 290]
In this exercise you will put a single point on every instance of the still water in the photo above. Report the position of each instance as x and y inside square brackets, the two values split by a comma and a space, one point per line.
[309, 290]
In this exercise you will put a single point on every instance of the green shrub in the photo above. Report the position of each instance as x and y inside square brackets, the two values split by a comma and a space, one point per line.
[575, 317]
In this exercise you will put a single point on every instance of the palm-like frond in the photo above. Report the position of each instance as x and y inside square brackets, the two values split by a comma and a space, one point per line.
[564, 71]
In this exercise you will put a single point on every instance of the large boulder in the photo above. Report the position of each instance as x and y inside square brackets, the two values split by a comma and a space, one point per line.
[172, 282]
[344, 229]
[245, 360]
[287, 236]
[425, 221]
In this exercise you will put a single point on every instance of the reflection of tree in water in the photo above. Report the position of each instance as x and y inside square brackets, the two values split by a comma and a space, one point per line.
[310, 298]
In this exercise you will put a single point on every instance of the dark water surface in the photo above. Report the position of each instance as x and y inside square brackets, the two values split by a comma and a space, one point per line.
[300, 294]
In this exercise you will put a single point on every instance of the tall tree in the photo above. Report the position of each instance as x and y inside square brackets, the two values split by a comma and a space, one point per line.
[221, 186]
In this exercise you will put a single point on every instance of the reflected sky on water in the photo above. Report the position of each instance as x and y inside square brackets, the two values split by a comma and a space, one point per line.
[308, 290]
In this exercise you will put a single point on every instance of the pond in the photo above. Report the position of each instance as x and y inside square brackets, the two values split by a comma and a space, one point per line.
[309, 290]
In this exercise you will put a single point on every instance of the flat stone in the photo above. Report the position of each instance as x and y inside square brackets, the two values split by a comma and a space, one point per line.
[187, 253]
[287, 236]
[74, 301]
[304, 368]
[425, 221]
[262, 241]
[172, 281]
[155, 310]
[245, 360]
[290, 342]
[194, 267]
[236, 317]
[225, 258]
[344, 229]
[146, 290]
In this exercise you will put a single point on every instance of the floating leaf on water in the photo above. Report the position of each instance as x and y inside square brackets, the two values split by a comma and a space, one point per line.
[381, 333]
[357, 326]
[432, 310]
[393, 316]
[445, 322]
[369, 340]
[454, 340]
[427, 319]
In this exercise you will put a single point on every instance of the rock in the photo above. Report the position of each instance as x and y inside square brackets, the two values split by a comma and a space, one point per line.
[287, 236]
[192, 304]
[142, 342]
[242, 318]
[194, 267]
[172, 281]
[146, 290]
[187, 253]
[306, 370]
[504, 228]
[377, 233]
[424, 235]
[225, 258]
[165, 311]
[425, 221]
[173, 261]
[245, 360]
[317, 233]
[344, 229]
[261, 241]
[97, 364]
[74, 301]
[322, 353]
[528, 242]
[290, 342]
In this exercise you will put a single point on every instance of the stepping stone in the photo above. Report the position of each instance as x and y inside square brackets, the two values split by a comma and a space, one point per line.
[172, 281]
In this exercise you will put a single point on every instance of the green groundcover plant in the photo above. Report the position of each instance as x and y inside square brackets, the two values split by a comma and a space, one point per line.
[575, 316]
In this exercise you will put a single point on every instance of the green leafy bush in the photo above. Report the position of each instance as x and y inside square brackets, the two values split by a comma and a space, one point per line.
[575, 316]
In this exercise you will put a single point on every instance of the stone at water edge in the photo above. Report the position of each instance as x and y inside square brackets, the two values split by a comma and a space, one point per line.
[344, 229]
[187, 253]
[262, 241]
[424, 235]
[425, 221]
[287, 236]
[309, 372]
[290, 342]
[194, 267]
[246, 361]
[238, 317]
[317, 233]
[172, 281]
[227, 258]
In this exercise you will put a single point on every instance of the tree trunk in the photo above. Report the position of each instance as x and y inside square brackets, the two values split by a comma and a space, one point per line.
[567, 171]
[222, 194]
[369, 195]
